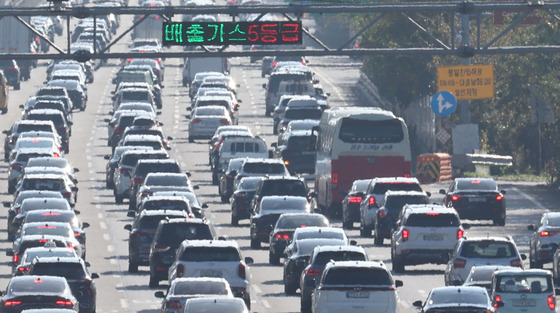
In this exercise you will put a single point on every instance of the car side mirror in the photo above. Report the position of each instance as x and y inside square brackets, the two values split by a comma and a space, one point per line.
[128, 227]
[87, 264]
[76, 189]
[239, 101]
[523, 257]
[399, 283]
[264, 85]
[249, 260]
[313, 194]
[442, 191]
[500, 304]
[107, 157]
[7, 132]
[196, 187]
[7, 204]
[159, 294]
[130, 214]
[113, 92]
[9, 253]
[236, 108]
[417, 303]
[94, 275]
[189, 109]
[223, 238]
[204, 206]
[77, 212]
[76, 170]
[107, 120]
[457, 282]
[353, 243]
[21, 106]
[466, 226]
[169, 138]
[503, 192]
[429, 194]
[85, 225]
[12, 264]
[167, 148]
[531, 227]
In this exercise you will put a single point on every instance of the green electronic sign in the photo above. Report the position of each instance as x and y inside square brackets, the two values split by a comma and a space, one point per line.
[231, 33]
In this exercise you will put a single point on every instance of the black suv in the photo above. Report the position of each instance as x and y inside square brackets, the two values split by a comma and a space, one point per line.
[169, 235]
[280, 186]
[298, 152]
[76, 274]
[142, 233]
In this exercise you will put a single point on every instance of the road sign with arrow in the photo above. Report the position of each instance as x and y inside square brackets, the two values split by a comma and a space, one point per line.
[444, 103]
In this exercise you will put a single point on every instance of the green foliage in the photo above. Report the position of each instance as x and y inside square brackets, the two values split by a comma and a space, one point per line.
[504, 121]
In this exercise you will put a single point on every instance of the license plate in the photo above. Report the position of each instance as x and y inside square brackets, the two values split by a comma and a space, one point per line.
[433, 237]
[524, 302]
[357, 294]
[211, 273]
[478, 199]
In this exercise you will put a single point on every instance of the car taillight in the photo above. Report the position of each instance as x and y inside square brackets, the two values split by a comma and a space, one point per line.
[125, 170]
[117, 130]
[136, 234]
[173, 304]
[499, 197]
[459, 263]
[382, 213]
[224, 121]
[16, 166]
[241, 270]
[460, 234]
[196, 121]
[67, 194]
[311, 272]
[551, 300]
[137, 180]
[454, 198]
[405, 234]
[497, 298]
[282, 236]
[544, 233]
[161, 248]
[371, 200]
[15, 258]
[516, 263]
[355, 200]
[23, 269]
[12, 303]
[71, 246]
[334, 178]
[56, 155]
[65, 302]
[180, 270]
[274, 63]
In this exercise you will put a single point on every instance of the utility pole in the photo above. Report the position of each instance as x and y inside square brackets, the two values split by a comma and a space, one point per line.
[465, 105]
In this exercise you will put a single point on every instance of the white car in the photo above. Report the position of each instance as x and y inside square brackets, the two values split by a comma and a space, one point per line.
[215, 305]
[356, 286]
[518, 291]
[213, 258]
[182, 289]
[491, 250]
[316, 232]
[425, 233]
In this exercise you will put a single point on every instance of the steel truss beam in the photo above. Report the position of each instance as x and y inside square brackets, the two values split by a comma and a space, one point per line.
[435, 46]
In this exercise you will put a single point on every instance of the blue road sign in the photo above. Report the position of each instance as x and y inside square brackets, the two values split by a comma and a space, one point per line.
[444, 103]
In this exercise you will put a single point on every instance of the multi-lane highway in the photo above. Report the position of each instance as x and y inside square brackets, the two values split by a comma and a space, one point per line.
[120, 291]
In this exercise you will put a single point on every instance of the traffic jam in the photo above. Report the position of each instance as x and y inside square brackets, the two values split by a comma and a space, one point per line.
[315, 198]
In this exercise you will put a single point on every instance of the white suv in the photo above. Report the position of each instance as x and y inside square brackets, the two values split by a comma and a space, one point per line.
[356, 286]
[425, 233]
[213, 258]
[374, 196]
[518, 290]
[480, 250]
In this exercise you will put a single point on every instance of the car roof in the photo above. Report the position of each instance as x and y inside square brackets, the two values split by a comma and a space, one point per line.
[210, 243]
[43, 176]
[189, 220]
[397, 193]
[395, 179]
[335, 248]
[519, 271]
[317, 229]
[453, 290]
[170, 213]
[358, 264]
[56, 260]
[429, 208]
[263, 160]
[295, 178]
[488, 238]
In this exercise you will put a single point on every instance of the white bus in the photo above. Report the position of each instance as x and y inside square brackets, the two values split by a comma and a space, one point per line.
[357, 143]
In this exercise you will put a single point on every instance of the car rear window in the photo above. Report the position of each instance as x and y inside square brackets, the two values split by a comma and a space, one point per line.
[142, 169]
[325, 257]
[293, 222]
[381, 188]
[432, 220]
[211, 254]
[322, 234]
[173, 234]
[302, 114]
[488, 249]
[135, 95]
[56, 119]
[482, 184]
[37, 285]
[165, 180]
[165, 205]
[39, 243]
[397, 202]
[130, 159]
[150, 222]
[524, 284]
[264, 168]
[48, 230]
[300, 143]
[200, 288]
[284, 188]
[24, 157]
[43, 184]
[357, 276]
[66, 270]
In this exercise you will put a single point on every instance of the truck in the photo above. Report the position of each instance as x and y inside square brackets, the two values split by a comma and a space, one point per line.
[16, 38]
[203, 64]
[150, 28]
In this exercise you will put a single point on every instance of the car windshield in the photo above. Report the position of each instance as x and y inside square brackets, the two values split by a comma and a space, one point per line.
[211, 254]
[488, 249]
[524, 283]
[325, 257]
[297, 221]
[200, 288]
[66, 270]
[432, 220]
[396, 203]
[361, 276]
[477, 184]
[165, 180]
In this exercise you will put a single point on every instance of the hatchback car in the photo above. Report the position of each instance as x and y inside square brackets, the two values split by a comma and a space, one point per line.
[359, 286]
[22, 268]
[351, 203]
[544, 239]
[47, 292]
[480, 250]
[477, 199]
[456, 299]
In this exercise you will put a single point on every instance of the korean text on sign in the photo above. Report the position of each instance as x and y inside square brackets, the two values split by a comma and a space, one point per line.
[231, 33]
[467, 82]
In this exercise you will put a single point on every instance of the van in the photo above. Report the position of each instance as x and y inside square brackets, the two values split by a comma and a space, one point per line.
[274, 90]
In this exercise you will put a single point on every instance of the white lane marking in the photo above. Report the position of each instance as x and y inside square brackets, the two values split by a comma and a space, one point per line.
[111, 249]
[536, 202]
[102, 225]
[336, 89]
[257, 289]
[266, 304]
[106, 237]
[124, 304]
